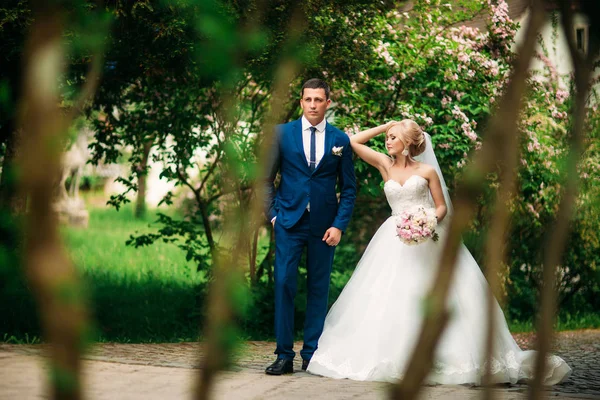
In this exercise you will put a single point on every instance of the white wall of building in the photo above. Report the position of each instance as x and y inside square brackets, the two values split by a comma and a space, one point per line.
[558, 50]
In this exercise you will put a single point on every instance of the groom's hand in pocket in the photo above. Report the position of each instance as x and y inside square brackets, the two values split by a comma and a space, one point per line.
[332, 236]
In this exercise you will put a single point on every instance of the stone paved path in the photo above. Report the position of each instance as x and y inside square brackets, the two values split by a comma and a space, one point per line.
[157, 371]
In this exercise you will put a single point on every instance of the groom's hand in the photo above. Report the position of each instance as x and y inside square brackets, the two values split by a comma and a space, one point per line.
[332, 236]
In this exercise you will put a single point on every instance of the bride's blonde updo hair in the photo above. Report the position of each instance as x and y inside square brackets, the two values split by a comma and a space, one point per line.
[411, 135]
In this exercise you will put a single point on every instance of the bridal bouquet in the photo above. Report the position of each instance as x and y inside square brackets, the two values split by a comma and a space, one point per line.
[416, 225]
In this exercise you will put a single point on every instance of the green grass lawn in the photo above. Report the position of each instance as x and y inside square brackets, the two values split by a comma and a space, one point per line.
[151, 293]
[564, 322]
[148, 293]
[100, 249]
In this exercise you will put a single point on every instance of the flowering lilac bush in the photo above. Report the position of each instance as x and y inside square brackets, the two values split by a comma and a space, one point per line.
[448, 77]
[546, 125]
[445, 77]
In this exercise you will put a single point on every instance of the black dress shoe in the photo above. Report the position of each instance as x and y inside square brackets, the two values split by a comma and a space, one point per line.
[280, 366]
[305, 364]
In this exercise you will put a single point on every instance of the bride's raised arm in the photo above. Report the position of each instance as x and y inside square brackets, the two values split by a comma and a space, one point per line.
[370, 156]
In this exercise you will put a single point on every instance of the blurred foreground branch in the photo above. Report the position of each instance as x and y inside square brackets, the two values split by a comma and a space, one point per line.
[502, 125]
[226, 287]
[583, 66]
[53, 279]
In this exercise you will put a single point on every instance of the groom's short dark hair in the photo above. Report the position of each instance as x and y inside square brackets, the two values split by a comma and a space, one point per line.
[316, 83]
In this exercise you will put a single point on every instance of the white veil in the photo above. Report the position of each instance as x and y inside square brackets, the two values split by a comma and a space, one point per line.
[428, 157]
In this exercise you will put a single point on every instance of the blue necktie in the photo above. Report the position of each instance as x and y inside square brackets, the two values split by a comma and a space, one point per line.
[313, 149]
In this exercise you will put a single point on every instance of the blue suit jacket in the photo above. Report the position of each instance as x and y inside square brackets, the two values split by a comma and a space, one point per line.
[298, 185]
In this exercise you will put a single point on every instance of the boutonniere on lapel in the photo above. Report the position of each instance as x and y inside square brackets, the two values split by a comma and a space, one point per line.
[337, 151]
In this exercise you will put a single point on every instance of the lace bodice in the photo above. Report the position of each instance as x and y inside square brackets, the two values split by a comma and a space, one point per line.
[414, 191]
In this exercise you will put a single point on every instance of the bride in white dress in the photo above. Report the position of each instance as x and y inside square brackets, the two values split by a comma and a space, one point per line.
[371, 329]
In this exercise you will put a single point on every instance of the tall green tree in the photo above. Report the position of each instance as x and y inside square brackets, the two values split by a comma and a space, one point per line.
[15, 18]
[181, 63]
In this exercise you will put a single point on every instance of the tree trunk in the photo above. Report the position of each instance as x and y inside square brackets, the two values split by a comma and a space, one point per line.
[142, 175]
[253, 255]
[208, 231]
[267, 262]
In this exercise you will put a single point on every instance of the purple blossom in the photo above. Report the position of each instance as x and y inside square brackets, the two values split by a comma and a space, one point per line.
[561, 96]
[445, 101]
[464, 58]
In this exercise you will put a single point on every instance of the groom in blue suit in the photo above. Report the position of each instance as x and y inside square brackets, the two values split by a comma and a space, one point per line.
[312, 157]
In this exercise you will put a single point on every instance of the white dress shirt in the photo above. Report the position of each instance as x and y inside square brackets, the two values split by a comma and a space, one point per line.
[319, 138]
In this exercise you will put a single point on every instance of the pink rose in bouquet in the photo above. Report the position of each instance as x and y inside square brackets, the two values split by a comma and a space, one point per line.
[416, 225]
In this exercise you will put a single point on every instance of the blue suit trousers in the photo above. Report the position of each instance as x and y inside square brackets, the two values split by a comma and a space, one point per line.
[289, 246]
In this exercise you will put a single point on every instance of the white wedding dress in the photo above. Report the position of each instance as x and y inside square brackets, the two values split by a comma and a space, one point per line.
[373, 326]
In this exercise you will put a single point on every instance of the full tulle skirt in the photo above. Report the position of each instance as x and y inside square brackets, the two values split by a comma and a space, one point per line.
[372, 328]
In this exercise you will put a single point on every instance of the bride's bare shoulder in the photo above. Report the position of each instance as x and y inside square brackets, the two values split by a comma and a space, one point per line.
[426, 170]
